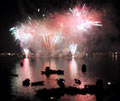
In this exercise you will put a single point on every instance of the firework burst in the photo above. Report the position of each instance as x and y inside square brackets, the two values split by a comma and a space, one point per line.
[56, 32]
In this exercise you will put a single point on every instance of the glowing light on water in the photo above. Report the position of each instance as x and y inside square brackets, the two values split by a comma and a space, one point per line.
[38, 9]
[109, 83]
[73, 68]
[115, 57]
[27, 68]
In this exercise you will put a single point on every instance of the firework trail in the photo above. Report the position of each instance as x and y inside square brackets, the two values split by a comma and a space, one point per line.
[53, 35]
[73, 48]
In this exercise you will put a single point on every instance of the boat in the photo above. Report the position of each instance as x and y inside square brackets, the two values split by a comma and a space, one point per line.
[77, 81]
[39, 83]
[49, 71]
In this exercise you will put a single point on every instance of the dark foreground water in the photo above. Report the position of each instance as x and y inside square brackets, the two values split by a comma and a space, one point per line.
[106, 68]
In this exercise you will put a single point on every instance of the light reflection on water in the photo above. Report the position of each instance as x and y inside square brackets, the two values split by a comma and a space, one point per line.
[72, 69]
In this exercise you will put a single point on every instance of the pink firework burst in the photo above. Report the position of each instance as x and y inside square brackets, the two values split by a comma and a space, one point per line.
[55, 33]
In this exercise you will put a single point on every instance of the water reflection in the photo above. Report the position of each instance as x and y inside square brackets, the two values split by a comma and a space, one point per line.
[50, 63]
[73, 69]
[50, 81]
[27, 69]
[115, 57]
[24, 73]
[14, 80]
[115, 60]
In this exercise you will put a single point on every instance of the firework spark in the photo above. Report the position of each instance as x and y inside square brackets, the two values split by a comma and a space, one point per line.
[26, 51]
[73, 48]
[55, 33]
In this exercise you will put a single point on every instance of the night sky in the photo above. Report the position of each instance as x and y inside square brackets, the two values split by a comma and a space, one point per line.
[12, 12]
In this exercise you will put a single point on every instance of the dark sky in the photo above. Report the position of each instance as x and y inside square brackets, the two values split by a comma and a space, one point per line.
[8, 16]
[12, 11]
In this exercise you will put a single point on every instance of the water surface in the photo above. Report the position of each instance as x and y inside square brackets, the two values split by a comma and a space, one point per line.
[98, 67]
